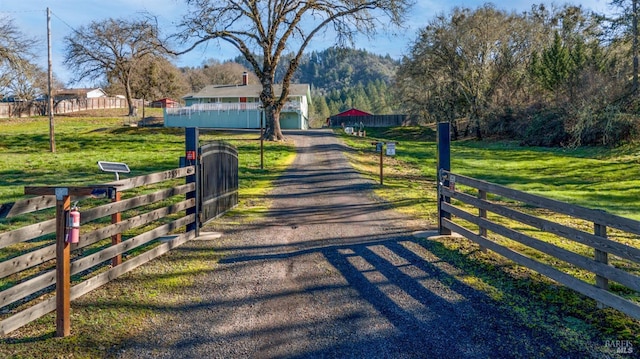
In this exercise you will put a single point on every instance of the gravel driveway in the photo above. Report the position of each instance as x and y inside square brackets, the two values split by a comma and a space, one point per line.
[331, 272]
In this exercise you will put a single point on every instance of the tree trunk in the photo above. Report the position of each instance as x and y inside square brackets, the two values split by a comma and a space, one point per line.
[272, 110]
[475, 114]
[454, 127]
[273, 131]
[127, 93]
[478, 130]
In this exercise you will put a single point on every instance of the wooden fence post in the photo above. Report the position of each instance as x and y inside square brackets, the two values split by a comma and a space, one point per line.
[482, 213]
[63, 265]
[602, 257]
[116, 238]
[382, 164]
[444, 163]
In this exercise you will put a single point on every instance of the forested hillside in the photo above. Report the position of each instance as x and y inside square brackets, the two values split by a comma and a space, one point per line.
[343, 78]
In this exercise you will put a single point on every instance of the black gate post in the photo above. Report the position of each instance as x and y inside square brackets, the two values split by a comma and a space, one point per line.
[192, 158]
[444, 163]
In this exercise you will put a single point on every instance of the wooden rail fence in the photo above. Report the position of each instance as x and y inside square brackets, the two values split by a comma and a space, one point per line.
[39, 108]
[608, 254]
[369, 121]
[111, 242]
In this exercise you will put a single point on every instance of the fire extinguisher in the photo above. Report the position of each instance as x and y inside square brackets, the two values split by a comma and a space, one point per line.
[73, 229]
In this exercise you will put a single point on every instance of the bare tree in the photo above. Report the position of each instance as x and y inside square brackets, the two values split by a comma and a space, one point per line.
[461, 61]
[29, 82]
[216, 73]
[155, 78]
[16, 53]
[113, 47]
[264, 30]
[628, 19]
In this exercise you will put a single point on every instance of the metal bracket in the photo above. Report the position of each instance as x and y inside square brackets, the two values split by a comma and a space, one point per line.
[61, 193]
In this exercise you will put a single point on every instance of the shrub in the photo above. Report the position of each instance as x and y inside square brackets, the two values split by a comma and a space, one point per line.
[503, 125]
[545, 129]
[609, 127]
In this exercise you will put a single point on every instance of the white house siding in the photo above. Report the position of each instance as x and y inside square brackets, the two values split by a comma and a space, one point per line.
[293, 121]
[215, 119]
[95, 93]
[289, 121]
[234, 115]
[237, 106]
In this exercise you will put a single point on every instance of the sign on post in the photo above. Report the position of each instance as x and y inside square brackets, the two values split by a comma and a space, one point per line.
[391, 148]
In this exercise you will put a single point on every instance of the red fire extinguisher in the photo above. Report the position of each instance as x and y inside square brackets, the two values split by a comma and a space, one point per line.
[73, 230]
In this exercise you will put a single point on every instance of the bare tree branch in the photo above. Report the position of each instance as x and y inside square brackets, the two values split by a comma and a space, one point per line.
[263, 30]
[113, 48]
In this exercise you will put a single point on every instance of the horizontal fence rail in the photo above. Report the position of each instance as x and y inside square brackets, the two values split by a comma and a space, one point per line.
[608, 245]
[112, 240]
[39, 108]
[369, 121]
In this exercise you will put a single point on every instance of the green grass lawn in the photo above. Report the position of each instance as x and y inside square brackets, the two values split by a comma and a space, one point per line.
[25, 159]
[600, 178]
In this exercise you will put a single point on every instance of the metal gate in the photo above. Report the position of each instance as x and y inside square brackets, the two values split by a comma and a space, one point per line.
[218, 180]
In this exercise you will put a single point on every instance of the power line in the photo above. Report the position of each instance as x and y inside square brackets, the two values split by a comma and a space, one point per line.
[21, 11]
[64, 22]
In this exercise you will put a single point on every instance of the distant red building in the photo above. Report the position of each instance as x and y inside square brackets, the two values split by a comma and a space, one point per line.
[165, 103]
[357, 119]
[345, 117]
[352, 112]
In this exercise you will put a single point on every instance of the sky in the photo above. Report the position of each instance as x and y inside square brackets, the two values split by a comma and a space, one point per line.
[30, 17]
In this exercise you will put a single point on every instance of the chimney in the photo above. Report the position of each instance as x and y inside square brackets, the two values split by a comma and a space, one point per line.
[245, 79]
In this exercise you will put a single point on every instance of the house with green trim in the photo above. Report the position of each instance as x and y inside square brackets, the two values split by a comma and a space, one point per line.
[238, 106]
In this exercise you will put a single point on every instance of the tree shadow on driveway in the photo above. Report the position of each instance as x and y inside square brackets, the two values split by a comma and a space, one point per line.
[385, 296]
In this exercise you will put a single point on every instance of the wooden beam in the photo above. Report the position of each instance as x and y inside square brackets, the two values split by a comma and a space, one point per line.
[588, 214]
[28, 232]
[153, 178]
[9, 210]
[63, 273]
[627, 279]
[619, 249]
[601, 256]
[624, 305]
[116, 238]
[39, 256]
[99, 189]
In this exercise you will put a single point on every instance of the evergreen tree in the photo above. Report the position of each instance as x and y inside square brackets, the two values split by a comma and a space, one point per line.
[553, 68]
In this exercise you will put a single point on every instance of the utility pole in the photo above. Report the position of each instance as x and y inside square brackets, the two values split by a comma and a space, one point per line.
[52, 136]
[634, 25]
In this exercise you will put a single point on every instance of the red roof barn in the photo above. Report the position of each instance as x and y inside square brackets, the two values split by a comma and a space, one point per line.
[165, 103]
[356, 118]
[353, 112]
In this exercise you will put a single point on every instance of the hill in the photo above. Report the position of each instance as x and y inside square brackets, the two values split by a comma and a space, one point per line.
[343, 78]
[338, 68]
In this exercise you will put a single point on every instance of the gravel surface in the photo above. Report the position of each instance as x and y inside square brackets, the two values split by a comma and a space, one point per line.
[334, 273]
